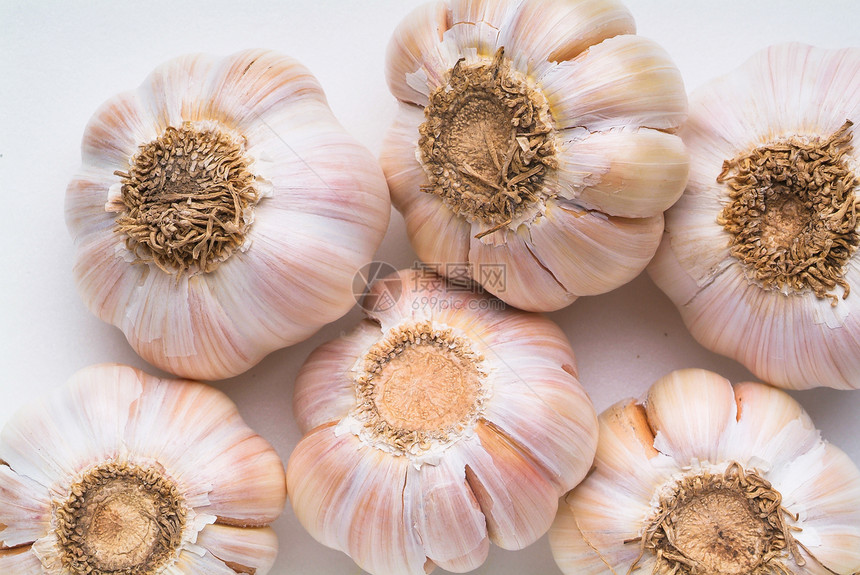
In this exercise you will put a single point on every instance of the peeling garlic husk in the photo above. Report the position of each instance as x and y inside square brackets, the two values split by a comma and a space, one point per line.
[536, 135]
[706, 477]
[221, 212]
[770, 288]
[441, 423]
[123, 472]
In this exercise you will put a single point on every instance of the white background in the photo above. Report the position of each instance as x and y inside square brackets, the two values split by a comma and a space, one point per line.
[60, 60]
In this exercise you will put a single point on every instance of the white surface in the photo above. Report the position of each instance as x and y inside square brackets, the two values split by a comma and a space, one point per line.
[61, 60]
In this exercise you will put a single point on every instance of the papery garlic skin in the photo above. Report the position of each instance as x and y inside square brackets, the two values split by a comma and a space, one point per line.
[694, 423]
[791, 338]
[318, 211]
[107, 437]
[401, 493]
[597, 162]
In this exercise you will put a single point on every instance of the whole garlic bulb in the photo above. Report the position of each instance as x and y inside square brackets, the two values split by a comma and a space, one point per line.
[533, 135]
[221, 212]
[122, 472]
[704, 477]
[760, 254]
[440, 424]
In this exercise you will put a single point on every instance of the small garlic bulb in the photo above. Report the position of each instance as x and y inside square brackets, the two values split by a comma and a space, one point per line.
[709, 478]
[534, 136]
[221, 212]
[120, 472]
[440, 424]
[760, 253]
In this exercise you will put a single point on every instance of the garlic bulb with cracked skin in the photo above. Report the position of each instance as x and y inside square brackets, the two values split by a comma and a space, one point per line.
[221, 212]
[122, 472]
[706, 477]
[535, 135]
[441, 423]
[760, 253]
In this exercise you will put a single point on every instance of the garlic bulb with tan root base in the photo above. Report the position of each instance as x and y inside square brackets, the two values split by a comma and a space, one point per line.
[440, 424]
[703, 477]
[123, 473]
[760, 254]
[535, 135]
[221, 212]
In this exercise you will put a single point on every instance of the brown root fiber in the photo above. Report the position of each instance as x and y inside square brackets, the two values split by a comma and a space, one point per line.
[487, 142]
[189, 196]
[721, 524]
[792, 214]
[419, 386]
[120, 520]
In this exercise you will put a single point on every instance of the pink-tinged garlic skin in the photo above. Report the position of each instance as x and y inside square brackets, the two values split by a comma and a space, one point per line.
[613, 101]
[495, 479]
[322, 212]
[694, 422]
[230, 481]
[791, 339]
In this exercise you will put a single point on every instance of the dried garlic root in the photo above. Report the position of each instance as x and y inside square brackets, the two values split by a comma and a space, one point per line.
[537, 136]
[760, 254]
[438, 425]
[203, 213]
[123, 473]
[707, 478]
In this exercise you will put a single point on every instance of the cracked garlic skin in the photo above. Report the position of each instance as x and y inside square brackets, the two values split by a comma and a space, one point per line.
[122, 473]
[708, 478]
[441, 423]
[221, 212]
[760, 253]
[535, 135]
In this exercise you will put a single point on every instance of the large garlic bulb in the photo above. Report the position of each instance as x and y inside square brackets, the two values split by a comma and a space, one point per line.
[440, 424]
[760, 253]
[703, 477]
[533, 136]
[120, 472]
[221, 212]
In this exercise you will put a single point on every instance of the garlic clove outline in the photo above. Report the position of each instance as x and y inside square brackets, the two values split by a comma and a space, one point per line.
[306, 174]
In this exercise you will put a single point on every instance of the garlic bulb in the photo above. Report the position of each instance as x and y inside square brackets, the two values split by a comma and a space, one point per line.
[440, 424]
[120, 472]
[533, 136]
[760, 254]
[709, 478]
[221, 212]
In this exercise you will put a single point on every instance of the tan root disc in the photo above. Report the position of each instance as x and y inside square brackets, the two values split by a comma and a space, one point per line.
[189, 197]
[419, 387]
[487, 142]
[120, 520]
[721, 524]
[793, 213]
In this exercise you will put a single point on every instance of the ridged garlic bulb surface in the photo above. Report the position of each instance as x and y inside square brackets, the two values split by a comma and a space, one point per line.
[441, 423]
[534, 135]
[122, 472]
[760, 253]
[706, 477]
[221, 212]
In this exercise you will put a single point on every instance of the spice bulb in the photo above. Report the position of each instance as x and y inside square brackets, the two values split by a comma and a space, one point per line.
[221, 212]
[438, 425]
[534, 135]
[122, 472]
[704, 477]
[760, 253]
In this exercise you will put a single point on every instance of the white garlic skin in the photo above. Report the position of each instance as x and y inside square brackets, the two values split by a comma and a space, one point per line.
[796, 341]
[691, 421]
[231, 480]
[324, 211]
[498, 481]
[614, 98]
